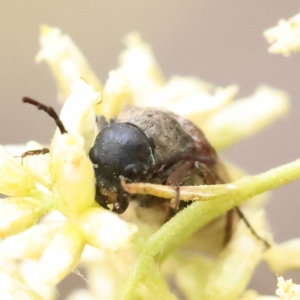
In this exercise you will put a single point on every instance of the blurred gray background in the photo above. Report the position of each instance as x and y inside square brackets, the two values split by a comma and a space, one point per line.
[219, 41]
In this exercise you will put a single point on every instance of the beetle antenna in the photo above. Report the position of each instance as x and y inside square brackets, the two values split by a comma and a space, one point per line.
[49, 110]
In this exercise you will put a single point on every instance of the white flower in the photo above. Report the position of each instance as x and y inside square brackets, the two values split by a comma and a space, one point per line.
[285, 37]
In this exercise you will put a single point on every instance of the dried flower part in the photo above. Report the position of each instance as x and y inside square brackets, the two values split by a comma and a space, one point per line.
[18, 214]
[61, 256]
[16, 180]
[78, 114]
[286, 290]
[230, 125]
[285, 37]
[73, 175]
[290, 250]
[140, 67]
[19, 246]
[105, 230]
[65, 60]
[11, 288]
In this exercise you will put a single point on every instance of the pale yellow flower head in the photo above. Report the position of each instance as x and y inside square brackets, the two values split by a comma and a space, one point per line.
[287, 290]
[285, 37]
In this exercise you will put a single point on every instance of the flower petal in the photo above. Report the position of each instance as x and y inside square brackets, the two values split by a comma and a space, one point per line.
[245, 117]
[18, 214]
[140, 67]
[66, 61]
[105, 230]
[290, 250]
[11, 289]
[199, 107]
[78, 114]
[81, 294]
[177, 88]
[191, 98]
[116, 95]
[29, 273]
[19, 246]
[61, 256]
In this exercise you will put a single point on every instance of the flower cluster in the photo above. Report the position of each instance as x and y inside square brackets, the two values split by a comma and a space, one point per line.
[50, 222]
[285, 37]
[63, 181]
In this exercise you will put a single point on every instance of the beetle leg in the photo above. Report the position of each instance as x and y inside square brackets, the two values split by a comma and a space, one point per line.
[101, 200]
[176, 179]
[242, 216]
[228, 226]
[121, 204]
[209, 176]
[210, 179]
[191, 156]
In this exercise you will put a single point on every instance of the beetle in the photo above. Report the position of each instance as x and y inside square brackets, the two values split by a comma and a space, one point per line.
[150, 145]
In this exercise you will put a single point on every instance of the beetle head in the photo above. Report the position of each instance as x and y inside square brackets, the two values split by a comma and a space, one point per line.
[120, 149]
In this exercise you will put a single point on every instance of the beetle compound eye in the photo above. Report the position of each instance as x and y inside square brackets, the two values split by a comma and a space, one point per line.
[134, 171]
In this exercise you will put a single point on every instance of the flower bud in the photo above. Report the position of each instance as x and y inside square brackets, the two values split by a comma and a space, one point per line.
[104, 229]
[18, 214]
[73, 174]
[61, 256]
[15, 180]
